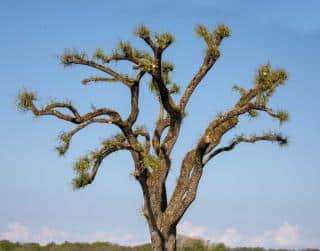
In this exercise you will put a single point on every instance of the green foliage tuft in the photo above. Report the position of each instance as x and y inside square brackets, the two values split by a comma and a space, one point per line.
[264, 78]
[100, 54]
[152, 162]
[25, 100]
[214, 51]
[114, 142]
[283, 116]
[167, 66]
[70, 55]
[279, 76]
[268, 80]
[81, 168]
[126, 48]
[146, 64]
[223, 30]
[203, 32]
[81, 181]
[210, 37]
[174, 88]
[164, 39]
[142, 31]
[64, 139]
[82, 165]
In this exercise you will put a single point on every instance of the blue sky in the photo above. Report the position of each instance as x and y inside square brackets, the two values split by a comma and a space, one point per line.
[259, 194]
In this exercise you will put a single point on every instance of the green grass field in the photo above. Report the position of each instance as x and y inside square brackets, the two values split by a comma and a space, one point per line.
[184, 244]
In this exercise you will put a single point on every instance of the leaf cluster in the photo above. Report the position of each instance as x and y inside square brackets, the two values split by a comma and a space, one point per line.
[67, 58]
[265, 84]
[25, 100]
[82, 168]
[151, 162]
[162, 40]
[267, 80]
[166, 69]
[114, 142]
[64, 139]
[212, 38]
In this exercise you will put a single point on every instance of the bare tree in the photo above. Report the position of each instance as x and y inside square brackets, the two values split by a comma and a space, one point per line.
[151, 152]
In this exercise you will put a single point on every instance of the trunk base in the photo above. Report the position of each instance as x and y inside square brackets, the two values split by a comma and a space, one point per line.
[163, 242]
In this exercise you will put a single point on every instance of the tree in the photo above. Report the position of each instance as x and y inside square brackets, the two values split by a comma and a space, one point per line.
[151, 153]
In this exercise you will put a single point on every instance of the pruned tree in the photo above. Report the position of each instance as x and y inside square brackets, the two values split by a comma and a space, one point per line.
[151, 152]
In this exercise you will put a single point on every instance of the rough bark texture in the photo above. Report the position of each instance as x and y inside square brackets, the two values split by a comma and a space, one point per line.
[151, 154]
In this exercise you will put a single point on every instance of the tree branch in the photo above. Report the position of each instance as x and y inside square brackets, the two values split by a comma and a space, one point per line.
[164, 94]
[98, 79]
[273, 137]
[213, 40]
[87, 167]
[65, 137]
[70, 59]
[191, 169]
[144, 33]
[26, 103]
[134, 90]
[141, 131]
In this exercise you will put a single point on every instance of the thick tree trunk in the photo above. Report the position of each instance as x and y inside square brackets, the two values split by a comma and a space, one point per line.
[164, 242]
[171, 240]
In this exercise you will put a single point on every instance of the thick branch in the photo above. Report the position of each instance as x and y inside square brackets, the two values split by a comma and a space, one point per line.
[164, 94]
[191, 169]
[158, 45]
[134, 91]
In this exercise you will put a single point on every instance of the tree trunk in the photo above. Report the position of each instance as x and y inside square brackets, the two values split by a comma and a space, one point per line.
[164, 242]
[171, 239]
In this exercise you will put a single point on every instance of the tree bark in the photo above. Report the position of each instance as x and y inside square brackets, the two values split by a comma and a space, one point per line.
[171, 239]
[164, 241]
[162, 232]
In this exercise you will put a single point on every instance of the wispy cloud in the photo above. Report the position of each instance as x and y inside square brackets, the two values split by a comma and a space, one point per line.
[286, 235]
[189, 229]
[16, 232]
[19, 232]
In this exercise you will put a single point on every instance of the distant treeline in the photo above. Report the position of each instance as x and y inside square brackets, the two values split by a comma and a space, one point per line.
[184, 244]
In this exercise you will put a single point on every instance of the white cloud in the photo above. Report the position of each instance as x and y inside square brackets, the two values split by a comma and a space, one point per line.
[119, 238]
[286, 235]
[263, 239]
[188, 229]
[18, 232]
[47, 234]
[230, 237]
